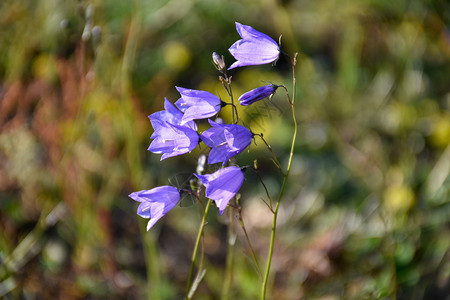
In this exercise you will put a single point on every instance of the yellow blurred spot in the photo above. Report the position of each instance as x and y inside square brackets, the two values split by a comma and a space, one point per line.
[177, 56]
[44, 67]
[398, 198]
[440, 134]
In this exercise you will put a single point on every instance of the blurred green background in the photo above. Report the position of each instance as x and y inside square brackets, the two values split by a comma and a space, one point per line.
[367, 210]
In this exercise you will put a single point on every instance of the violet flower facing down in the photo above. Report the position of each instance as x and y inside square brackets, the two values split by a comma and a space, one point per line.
[172, 140]
[170, 114]
[255, 48]
[197, 104]
[156, 202]
[226, 141]
[257, 94]
[222, 185]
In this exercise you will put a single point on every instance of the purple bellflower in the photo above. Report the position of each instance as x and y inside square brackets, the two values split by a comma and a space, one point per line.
[226, 141]
[257, 94]
[222, 185]
[197, 104]
[255, 48]
[172, 140]
[170, 114]
[156, 202]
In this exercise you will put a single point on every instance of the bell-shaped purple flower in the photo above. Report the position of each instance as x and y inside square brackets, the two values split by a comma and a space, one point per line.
[257, 94]
[226, 141]
[172, 140]
[156, 202]
[197, 104]
[222, 185]
[170, 114]
[255, 48]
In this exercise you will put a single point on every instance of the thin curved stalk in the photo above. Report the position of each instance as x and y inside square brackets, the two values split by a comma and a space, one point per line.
[275, 160]
[241, 221]
[283, 187]
[230, 254]
[226, 82]
[195, 252]
[269, 205]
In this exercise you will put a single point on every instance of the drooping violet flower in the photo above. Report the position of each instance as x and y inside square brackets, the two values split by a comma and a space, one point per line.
[170, 114]
[226, 141]
[222, 185]
[172, 140]
[257, 94]
[156, 202]
[197, 104]
[255, 48]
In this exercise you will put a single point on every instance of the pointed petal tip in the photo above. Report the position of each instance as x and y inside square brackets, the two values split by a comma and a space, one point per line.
[234, 65]
[179, 89]
[151, 223]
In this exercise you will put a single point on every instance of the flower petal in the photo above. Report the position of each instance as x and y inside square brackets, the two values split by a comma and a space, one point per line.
[249, 33]
[172, 140]
[222, 185]
[197, 104]
[255, 48]
[226, 141]
[156, 202]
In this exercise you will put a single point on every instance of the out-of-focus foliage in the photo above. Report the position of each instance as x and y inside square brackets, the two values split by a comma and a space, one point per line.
[366, 214]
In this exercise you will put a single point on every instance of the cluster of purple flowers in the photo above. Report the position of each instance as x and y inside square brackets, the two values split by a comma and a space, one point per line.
[175, 130]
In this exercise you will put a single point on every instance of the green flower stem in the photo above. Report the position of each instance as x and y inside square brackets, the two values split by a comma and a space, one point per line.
[196, 247]
[241, 221]
[230, 255]
[226, 83]
[230, 93]
[275, 160]
[269, 205]
[283, 187]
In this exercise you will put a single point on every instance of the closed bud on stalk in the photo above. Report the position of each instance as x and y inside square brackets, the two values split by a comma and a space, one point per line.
[219, 62]
[257, 94]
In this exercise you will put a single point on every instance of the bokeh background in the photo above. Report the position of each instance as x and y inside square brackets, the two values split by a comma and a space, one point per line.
[367, 211]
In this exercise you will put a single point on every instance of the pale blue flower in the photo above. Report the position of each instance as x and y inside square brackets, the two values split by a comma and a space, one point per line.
[222, 185]
[255, 48]
[172, 140]
[197, 104]
[226, 141]
[156, 202]
[170, 114]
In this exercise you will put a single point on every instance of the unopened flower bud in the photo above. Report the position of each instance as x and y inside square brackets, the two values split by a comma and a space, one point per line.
[258, 94]
[219, 62]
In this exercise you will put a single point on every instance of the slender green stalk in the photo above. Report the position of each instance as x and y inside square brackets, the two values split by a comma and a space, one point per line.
[230, 254]
[196, 247]
[241, 221]
[283, 187]
[234, 113]
[269, 205]
[231, 238]
[277, 163]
